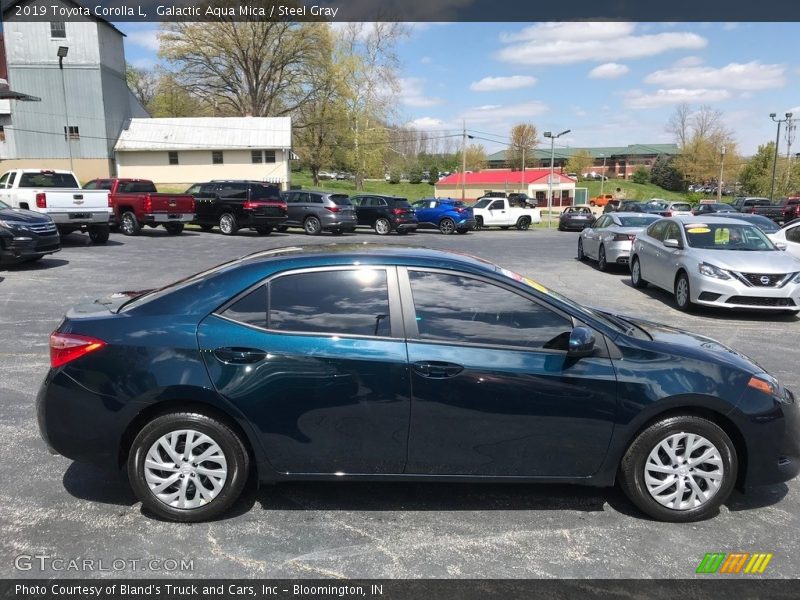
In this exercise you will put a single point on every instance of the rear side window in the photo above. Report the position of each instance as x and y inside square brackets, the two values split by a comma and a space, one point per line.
[340, 200]
[250, 309]
[656, 230]
[47, 179]
[348, 302]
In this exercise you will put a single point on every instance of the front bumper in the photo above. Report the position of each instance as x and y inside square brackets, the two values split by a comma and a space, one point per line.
[162, 218]
[731, 293]
[79, 217]
[28, 247]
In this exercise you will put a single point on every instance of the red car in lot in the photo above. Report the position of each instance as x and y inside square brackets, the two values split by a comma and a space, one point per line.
[136, 203]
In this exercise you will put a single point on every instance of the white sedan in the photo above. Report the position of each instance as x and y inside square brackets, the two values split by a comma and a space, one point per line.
[788, 237]
[608, 240]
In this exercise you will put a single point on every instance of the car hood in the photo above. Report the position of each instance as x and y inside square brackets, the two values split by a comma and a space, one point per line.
[19, 215]
[693, 342]
[744, 261]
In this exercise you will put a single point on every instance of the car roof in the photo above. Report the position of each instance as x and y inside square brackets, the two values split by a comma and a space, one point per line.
[715, 219]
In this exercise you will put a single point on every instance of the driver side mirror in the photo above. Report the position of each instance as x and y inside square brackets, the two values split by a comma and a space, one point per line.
[581, 342]
[672, 243]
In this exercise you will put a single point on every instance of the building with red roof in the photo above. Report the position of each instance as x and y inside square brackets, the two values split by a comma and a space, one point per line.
[534, 182]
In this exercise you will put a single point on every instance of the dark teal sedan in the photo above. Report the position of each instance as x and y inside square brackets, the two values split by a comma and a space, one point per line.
[359, 361]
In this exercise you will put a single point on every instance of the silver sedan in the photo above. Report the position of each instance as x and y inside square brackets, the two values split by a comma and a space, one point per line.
[608, 240]
[716, 262]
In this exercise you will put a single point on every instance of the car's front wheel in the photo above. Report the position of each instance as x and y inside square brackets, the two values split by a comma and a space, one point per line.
[636, 274]
[187, 466]
[680, 469]
[683, 298]
[312, 226]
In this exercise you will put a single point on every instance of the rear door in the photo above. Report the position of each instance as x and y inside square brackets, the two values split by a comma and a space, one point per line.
[206, 203]
[426, 211]
[316, 360]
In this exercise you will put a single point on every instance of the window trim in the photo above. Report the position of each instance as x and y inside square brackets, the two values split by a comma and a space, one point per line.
[392, 285]
[410, 312]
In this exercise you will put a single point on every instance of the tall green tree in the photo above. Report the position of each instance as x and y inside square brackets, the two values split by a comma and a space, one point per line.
[579, 163]
[664, 173]
[756, 176]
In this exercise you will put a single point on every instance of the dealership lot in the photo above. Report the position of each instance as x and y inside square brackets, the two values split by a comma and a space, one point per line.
[51, 507]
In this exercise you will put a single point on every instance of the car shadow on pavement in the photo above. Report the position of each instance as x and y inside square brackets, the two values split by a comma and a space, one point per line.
[77, 240]
[98, 485]
[39, 265]
[757, 497]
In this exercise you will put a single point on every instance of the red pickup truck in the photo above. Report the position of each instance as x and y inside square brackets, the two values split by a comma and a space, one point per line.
[137, 203]
[791, 208]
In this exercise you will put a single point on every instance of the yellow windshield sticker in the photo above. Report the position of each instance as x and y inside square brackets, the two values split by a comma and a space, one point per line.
[698, 230]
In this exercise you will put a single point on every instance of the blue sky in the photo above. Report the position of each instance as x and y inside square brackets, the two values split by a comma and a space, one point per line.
[610, 83]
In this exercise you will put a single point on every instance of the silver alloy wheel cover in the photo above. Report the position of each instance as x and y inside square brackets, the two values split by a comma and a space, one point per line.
[683, 471]
[580, 248]
[226, 223]
[682, 291]
[127, 223]
[185, 469]
[382, 226]
[312, 225]
[636, 271]
[447, 226]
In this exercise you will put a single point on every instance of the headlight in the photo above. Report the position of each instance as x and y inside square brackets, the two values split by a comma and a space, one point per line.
[14, 225]
[796, 278]
[767, 384]
[711, 271]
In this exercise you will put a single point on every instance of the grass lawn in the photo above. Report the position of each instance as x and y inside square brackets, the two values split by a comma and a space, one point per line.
[412, 191]
[633, 191]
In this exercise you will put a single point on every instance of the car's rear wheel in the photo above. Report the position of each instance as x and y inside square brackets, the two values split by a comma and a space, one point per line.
[228, 224]
[602, 264]
[462, 231]
[383, 227]
[99, 233]
[312, 226]
[187, 466]
[447, 226]
[581, 254]
[174, 228]
[680, 469]
[683, 298]
[129, 224]
[523, 223]
[636, 274]
[478, 223]
[206, 228]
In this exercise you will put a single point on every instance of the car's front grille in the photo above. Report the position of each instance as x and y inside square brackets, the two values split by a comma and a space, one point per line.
[42, 228]
[760, 301]
[765, 279]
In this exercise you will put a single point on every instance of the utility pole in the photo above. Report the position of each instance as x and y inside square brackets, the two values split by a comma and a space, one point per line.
[775, 159]
[523, 171]
[603, 175]
[721, 165]
[62, 54]
[552, 136]
[463, 160]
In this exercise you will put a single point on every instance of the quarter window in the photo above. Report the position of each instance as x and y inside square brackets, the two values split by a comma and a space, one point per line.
[250, 309]
[483, 313]
[348, 302]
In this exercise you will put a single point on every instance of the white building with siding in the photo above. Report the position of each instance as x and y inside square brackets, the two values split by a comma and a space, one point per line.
[183, 151]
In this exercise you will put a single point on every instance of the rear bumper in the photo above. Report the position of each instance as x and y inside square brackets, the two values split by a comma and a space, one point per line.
[78, 217]
[255, 220]
[466, 224]
[169, 218]
[405, 226]
[335, 222]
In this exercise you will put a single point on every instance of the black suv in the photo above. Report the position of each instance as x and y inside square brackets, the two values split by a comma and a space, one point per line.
[385, 213]
[26, 235]
[319, 211]
[233, 205]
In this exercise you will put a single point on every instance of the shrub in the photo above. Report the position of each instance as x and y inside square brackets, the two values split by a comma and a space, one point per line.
[640, 175]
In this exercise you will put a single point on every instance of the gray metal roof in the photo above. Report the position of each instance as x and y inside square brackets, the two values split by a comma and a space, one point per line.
[206, 133]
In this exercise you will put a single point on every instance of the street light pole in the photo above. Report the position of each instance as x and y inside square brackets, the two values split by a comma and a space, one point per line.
[549, 134]
[721, 165]
[62, 54]
[603, 175]
[775, 159]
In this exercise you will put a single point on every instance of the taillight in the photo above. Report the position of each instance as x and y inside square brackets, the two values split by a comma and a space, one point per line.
[194, 206]
[148, 204]
[66, 347]
[668, 213]
[752, 210]
[460, 209]
[624, 237]
[41, 200]
[333, 208]
[110, 204]
[398, 211]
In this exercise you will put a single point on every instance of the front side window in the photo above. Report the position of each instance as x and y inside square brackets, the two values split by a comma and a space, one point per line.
[346, 302]
[483, 313]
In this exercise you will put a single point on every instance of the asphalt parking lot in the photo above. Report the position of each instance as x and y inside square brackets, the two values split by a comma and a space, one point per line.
[51, 507]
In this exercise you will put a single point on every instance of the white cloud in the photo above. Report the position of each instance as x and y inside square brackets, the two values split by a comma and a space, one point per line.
[498, 84]
[499, 112]
[659, 98]
[428, 123]
[795, 111]
[566, 43]
[609, 71]
[734, 76]
[147, 38]
[412, 94]
[688, 61]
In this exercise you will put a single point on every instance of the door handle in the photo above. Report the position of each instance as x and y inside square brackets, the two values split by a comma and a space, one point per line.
[437, 370]
[240, 356]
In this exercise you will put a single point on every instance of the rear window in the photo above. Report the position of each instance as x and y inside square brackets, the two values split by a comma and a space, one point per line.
[136, 187]
[48, 180]
[265, 192]
[341, 200]
[681, 206]
[642, 221]
[401, 203]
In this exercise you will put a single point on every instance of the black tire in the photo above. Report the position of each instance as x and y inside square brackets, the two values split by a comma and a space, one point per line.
[382, 226]
[478, 223]
[462, 231]
[504, 227]
[636, 274]
[336, 231]
[402, 232]
[281, 228]
[232, 448]
[206, 228]
[632, 467]
[129, 224]
[174, 228]
[581, 254]
[264, 230]
[602, 264]
[99, 233]
[228, 224]
[523, 223]
[683, 300]
[312, 226]
[447, 226]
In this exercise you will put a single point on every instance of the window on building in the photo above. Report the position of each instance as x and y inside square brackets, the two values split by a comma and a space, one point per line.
[58, 29]
[71, 132]
[216, 157]
[269, 156]
[256, 157]
[173, 158]
[2, 133]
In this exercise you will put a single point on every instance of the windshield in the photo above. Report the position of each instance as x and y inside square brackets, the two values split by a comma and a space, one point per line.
[4, 205]
[47, 179]
[642, 221]
[482, 203]
[724, 236]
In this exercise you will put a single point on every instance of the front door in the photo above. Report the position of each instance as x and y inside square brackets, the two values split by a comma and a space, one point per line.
[316, 360]
[494, 393]
[497, 213]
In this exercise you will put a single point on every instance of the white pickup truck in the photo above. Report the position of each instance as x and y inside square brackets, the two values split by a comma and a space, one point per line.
[58, 195]
[498, 212]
